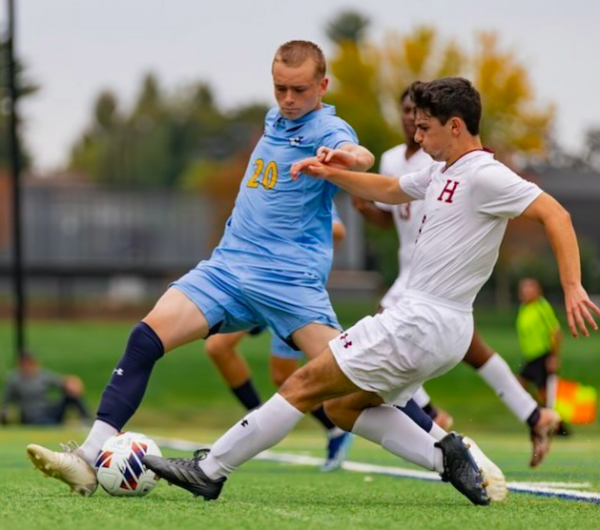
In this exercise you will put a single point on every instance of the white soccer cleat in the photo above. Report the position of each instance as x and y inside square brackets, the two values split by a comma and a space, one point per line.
[493, 478]
[68, 466]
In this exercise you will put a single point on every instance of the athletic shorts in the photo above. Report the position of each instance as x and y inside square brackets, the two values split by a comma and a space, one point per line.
[236, 297]
[279, 348]
[395, 352]
[536, 371]
[394, 293]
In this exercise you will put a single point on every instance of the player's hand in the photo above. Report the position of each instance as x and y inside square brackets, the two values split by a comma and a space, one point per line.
[579, 309]
[312, 167]
[337, 158]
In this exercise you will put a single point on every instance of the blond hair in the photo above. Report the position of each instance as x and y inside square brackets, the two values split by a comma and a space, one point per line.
[296, 52]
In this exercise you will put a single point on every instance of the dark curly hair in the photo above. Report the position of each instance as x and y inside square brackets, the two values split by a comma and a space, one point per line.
[450, 97]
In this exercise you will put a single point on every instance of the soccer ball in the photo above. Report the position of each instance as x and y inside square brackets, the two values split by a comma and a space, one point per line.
[119, 465]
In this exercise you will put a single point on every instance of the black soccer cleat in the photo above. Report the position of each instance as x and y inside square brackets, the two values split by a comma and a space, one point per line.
[461, 470]
[185, 473]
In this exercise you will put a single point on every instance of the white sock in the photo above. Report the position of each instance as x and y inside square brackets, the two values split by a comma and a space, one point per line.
[397, 433]
[437, 432]
[335, 432]
[421, 397]
[259, 430]
[497, 374]
[93, 443]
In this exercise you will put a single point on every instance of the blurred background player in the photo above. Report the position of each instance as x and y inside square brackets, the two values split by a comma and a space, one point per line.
[42, 397]
[407, 218]
[284, 360]
[540, 338]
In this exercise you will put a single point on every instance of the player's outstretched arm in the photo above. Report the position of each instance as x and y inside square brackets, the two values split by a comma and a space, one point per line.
[366, 185]
[348, 156]
[561, 234]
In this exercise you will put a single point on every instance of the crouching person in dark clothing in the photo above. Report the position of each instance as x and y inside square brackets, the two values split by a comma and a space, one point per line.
[41, 397]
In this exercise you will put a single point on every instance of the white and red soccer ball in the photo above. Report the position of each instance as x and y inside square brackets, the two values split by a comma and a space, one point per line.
[119, 465]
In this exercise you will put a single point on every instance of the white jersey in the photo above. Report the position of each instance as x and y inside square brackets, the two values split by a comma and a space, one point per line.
[467, 208]
[407, 217]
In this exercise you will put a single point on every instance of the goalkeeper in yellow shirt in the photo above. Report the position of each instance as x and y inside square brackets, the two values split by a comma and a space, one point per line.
[540, 337]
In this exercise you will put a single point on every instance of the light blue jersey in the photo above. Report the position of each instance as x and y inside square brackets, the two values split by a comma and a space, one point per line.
[280, 348]
[279, 222]
[272, 263]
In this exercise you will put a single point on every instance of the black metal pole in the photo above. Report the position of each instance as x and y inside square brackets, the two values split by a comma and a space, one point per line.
[15, 162]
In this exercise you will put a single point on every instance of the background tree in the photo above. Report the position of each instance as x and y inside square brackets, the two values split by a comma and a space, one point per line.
[592, 148]
[512, 120]
[162, 138]
[25, 87]
[368, 78]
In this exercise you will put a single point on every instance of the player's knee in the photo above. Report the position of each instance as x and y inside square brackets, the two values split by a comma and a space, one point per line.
[216, 349]
[300, 390]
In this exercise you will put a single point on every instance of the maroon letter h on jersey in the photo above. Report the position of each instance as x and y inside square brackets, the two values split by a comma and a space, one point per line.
[448, 191]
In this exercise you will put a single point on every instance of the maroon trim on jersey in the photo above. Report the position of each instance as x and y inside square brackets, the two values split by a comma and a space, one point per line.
[483, 149]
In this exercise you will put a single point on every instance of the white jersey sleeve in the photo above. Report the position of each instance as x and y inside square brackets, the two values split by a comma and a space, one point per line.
[502, 193]
[416, 184]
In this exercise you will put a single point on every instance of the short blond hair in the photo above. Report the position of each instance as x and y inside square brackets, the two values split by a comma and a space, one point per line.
[296, 52]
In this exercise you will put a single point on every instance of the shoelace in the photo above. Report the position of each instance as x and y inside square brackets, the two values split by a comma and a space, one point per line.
[70, 447]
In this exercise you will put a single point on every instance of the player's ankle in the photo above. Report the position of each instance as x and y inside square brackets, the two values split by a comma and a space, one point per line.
[438, 460]
[534, 417]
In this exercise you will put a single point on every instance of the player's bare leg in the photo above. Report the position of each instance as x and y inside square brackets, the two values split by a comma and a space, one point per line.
[174, 321]
[222, 351]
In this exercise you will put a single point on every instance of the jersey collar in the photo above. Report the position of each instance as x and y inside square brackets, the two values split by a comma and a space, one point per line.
[467, 156]
[327, 110]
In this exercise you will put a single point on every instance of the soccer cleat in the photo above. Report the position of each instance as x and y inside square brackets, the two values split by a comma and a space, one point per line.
[186, 473]
[541, 435]
[337, 450]
[461, 470]
[493, 478]
[68, 466]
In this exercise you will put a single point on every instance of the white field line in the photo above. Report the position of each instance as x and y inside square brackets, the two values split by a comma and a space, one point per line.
[563, 490]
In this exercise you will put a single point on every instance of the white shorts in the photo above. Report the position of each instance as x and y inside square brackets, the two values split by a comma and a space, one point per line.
[395, 352]
[394, 293]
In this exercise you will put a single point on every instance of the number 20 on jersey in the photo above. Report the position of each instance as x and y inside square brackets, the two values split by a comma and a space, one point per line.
[264, 174]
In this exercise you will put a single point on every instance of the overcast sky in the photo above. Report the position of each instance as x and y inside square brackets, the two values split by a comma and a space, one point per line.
[75, 48]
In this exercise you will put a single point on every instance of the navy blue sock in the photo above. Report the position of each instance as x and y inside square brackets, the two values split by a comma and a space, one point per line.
[129, 380]
[247, 395]
[418, 415]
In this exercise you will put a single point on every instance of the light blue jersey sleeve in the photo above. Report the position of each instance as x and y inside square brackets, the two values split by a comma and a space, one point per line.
[337, 133]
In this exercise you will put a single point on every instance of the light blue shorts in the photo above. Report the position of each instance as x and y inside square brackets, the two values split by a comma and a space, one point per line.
[235, 297]
[279, 348]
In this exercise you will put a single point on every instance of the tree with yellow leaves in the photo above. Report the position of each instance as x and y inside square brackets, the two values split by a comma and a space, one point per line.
[368, 79]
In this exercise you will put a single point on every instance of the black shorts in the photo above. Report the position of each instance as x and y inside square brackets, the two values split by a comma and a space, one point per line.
[536, 371]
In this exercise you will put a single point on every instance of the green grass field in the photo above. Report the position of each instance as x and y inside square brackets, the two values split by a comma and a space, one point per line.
[265, 495]
[186, 399]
